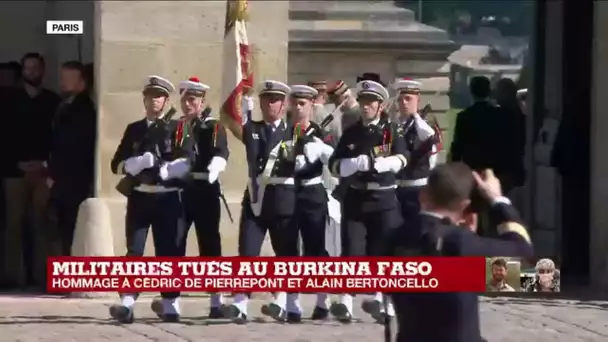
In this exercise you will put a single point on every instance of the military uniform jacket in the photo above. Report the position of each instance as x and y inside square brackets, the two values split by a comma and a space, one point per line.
[458, 313]
[313, 193]
[205, 138]
[140, 137]
[420, 149]
[260, 140]
[380, 140]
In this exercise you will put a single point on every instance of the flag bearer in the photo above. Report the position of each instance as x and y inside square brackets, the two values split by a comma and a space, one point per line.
[270, 198]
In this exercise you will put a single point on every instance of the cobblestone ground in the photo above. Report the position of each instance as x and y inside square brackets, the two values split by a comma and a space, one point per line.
[29, 319]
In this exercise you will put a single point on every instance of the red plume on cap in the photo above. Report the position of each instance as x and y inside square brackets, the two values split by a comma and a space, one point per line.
[408, 79]
[336, 85]
[194, 79]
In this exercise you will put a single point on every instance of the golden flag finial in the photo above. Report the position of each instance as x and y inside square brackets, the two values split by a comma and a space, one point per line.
[241, 10]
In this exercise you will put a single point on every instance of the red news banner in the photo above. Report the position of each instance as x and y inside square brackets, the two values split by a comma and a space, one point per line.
[231, 274]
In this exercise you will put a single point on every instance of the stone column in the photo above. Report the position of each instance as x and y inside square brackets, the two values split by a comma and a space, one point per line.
[174, 39]
[599, 162]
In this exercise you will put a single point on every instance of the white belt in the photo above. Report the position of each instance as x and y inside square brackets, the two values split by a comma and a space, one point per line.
[372, 186]
[154, 188]
[406, 183]
[290, 181]
[200, 175]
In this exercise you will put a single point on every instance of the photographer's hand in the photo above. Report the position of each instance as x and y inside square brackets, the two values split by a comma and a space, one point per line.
[488, 185]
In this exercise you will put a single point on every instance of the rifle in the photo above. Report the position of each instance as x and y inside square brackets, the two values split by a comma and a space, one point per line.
[308, 134]
[203, 115]
[127, 183]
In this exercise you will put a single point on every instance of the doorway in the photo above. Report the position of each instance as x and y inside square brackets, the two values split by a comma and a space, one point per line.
[572, 154]
[28, 19]
[560, 176]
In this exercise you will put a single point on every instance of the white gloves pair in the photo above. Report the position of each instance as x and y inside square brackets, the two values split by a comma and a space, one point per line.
[135, 165]
[216, 166]
[348, 167]
[388, 164]
[179, 168]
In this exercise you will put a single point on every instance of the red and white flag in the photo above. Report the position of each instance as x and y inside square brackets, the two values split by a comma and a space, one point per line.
[237, 74]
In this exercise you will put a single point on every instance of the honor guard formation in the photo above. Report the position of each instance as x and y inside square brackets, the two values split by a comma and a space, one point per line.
[380, 150]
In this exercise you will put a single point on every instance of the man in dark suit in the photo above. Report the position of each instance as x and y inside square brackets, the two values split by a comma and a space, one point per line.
[446, 227]
[474, 141]
[510, 170]
[72, 158]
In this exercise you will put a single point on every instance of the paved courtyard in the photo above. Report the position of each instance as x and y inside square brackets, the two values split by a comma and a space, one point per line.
[29, 319]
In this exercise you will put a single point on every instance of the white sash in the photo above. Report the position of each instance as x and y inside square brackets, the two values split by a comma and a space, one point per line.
[256, 207]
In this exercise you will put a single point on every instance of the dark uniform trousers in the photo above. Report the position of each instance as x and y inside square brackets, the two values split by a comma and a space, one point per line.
[365, 229]
[163, 211]
[311, 217]
[408, 200]
[276, 218]
[203, 208]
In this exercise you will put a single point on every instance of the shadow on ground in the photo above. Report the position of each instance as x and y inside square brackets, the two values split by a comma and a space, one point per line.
[187, 321]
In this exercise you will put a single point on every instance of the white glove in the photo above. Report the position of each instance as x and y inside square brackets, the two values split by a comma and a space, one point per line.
[147, 160]
[300, 162]
[175, 169]
[313, 151]
[349, 166]
[247, 104]
[423, 129]
[216, 166]
[133, 166]
[388, 164]
[213, 176]
[317, 149]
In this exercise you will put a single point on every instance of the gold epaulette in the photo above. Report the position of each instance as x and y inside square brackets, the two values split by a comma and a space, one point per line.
[514, 227]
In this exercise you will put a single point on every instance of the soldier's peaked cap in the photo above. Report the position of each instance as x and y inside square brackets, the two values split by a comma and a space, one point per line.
[303, 91]
[194, 86]
[372, 88]
[274, 87]
[160, 83]
[407, 85]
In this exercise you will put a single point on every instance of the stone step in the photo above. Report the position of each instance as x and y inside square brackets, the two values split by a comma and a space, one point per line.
[377, 11]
